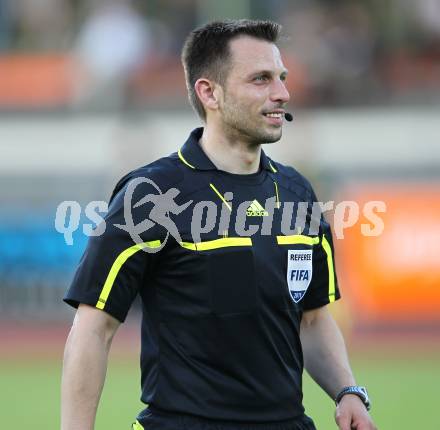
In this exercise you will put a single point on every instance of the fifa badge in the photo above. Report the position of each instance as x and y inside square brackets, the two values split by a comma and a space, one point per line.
[299, 272]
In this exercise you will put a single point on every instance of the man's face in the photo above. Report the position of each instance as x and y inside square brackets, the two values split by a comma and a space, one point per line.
[254, 93]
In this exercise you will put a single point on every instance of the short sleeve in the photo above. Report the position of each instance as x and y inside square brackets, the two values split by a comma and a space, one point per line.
[116, 264]
[323, 288]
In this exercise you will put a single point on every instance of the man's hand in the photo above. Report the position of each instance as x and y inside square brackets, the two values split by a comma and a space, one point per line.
[351, 414]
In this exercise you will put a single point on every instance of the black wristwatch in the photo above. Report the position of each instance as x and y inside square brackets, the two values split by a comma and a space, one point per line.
[361, 392]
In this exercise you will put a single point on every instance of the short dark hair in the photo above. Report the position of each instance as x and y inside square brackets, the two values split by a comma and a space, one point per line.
[206, 51]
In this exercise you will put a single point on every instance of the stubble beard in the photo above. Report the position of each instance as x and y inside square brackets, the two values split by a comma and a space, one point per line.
[239, 125]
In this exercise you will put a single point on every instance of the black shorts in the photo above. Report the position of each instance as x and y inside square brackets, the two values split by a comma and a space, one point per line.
[149, 420]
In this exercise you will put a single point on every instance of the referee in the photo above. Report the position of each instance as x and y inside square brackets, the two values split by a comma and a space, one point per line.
[233, 305]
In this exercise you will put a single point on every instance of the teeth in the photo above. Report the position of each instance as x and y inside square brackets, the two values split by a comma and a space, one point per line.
[274, 115]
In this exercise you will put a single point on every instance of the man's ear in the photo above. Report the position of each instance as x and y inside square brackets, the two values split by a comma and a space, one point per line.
[208, 93]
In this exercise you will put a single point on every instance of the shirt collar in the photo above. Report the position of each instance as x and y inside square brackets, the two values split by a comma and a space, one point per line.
[191, 154]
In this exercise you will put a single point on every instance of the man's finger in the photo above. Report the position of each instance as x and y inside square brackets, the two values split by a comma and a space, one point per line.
[343, 421]
[364, 425]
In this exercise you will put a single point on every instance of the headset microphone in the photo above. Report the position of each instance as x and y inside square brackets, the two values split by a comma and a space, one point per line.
[288, 116]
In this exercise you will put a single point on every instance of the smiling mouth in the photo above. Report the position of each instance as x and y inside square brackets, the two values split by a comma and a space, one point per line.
[278, 115]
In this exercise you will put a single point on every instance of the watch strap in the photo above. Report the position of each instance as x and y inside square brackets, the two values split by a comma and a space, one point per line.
[361, 392]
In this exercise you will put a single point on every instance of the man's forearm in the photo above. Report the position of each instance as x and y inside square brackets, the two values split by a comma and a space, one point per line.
[325, 355]
[84, 369]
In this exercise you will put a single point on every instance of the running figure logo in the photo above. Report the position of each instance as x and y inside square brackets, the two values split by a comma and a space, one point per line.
[163, 205]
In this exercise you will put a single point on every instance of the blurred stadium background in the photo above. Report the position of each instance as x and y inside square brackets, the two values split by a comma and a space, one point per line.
[90, 89]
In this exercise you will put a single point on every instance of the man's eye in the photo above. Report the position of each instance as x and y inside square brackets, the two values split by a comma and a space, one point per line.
[261, 78]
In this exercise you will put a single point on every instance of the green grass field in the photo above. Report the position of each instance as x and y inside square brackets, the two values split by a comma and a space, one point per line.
[404, 392]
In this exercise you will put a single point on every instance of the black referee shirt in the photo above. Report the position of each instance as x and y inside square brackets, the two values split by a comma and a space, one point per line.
[222, 311]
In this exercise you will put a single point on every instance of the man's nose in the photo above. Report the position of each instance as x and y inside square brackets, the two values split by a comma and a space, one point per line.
[279, 92]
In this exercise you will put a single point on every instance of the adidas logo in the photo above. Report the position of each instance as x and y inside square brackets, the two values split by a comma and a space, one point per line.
[255, 209]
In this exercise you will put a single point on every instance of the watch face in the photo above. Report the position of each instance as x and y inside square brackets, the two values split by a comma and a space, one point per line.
[362, 390]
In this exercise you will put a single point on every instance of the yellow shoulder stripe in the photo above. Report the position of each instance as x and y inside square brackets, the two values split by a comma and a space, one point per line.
[331, 273]
[273, 168]
[220, 196]
[297, 239]
[277, 196]
[217, 243]
[116, 267]
[179, 153]
[137, 426]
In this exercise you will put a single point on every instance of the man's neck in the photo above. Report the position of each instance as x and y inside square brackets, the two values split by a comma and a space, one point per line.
[229, 154]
